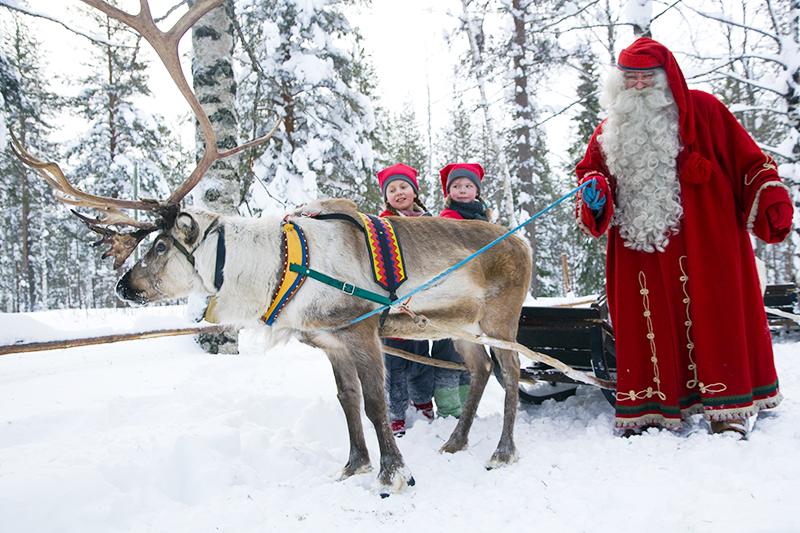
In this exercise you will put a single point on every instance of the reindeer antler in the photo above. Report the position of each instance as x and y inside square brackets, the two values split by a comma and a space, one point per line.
[165, 45]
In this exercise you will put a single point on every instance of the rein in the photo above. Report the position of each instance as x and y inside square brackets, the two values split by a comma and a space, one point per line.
[423, 322]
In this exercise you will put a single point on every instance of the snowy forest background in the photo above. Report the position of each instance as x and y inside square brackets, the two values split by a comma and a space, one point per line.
[523, 101]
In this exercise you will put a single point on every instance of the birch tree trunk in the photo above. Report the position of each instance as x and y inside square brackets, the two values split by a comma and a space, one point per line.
[215, 87]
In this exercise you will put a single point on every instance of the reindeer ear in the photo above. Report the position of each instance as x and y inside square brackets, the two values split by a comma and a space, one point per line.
[186, 227]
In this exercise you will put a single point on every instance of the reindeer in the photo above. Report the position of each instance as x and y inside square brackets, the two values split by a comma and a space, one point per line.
[483, 297]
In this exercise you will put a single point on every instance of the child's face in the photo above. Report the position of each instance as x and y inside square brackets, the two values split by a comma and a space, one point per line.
[462, 190]
[400, 194]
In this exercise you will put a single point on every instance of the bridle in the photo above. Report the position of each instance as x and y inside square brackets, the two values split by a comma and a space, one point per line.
[220, 262]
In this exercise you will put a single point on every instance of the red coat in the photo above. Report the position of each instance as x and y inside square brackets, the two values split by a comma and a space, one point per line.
[690, 327]
[449, 213]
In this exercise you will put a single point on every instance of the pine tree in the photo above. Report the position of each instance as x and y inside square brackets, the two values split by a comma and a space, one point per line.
[461, 141]
[28, 206]
[760, 82]
[298, 71]
[122, 141]
[365, 81]
[587, 254]
[404, 143]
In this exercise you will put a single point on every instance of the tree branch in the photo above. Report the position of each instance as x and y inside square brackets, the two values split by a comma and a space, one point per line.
[13, 6]
[724, 20]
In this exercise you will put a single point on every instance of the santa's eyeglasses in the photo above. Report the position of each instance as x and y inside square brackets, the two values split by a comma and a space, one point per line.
[633, 78]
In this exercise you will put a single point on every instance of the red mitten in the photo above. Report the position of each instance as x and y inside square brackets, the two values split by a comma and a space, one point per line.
[774, 218]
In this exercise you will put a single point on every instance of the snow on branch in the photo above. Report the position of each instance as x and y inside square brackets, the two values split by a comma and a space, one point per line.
[726, 20]
[14, 5]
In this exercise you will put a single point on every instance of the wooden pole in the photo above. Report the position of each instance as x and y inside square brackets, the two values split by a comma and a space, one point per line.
[106, 339]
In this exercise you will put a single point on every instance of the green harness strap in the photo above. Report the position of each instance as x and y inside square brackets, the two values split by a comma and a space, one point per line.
[347, 288]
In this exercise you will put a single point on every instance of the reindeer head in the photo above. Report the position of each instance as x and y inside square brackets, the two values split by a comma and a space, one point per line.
[171, 268]
[168, 219]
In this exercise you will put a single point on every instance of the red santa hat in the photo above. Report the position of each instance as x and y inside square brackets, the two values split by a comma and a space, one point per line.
[453, 171]
[397, 172]
[647, 54]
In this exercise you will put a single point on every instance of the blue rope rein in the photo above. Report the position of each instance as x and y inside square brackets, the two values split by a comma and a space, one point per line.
[463, 261]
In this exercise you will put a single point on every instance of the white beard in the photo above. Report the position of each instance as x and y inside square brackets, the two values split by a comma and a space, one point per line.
[641, 142]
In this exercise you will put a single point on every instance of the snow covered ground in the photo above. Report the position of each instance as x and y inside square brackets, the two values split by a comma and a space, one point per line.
[155, 435]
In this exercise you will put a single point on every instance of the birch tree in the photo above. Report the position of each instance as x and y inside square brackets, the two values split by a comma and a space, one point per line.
[213, 81]
[475, 39]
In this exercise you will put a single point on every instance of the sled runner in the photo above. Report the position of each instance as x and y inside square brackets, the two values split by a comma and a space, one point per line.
[580, 337]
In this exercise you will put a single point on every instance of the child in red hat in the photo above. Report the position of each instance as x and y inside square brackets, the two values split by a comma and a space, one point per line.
[461, 183]
[401, 191]
[406, 381]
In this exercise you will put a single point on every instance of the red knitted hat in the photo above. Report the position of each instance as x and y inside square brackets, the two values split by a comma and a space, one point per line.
[647, 54]
[397, 172]
[473, 171]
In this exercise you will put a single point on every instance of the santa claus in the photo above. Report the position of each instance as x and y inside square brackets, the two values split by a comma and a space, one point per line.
[678, 183]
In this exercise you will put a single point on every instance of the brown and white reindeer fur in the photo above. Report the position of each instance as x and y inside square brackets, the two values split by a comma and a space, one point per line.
[485, 295]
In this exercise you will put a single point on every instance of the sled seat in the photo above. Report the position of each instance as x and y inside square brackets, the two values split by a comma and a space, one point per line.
[782, 297]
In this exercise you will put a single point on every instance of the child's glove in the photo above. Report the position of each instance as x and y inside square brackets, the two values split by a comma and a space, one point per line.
[594, 195]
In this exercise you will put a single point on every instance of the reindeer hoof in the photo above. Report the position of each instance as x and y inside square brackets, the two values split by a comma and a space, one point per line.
[501, 459]
[452, 447]
[349, 471]
[398, 480]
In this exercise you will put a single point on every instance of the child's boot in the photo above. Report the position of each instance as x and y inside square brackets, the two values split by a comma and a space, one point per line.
[399, 427]
[448, 402]
[425, 408]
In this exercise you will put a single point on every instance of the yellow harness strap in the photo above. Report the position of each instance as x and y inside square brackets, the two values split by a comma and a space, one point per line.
[294, 251]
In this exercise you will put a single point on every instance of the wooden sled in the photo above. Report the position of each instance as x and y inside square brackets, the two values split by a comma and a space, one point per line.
[580, 337]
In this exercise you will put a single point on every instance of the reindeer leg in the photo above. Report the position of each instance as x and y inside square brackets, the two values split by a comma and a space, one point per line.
[365, 349]
[480, 366]
[502, 326]
[348, 389]
[506, 452]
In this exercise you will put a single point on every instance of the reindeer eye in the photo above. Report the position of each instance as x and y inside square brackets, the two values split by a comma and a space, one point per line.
[161, 247]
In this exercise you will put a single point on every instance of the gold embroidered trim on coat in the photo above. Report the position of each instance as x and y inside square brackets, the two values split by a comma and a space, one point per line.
[649, 392]
[769, 164]
[713, 388]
